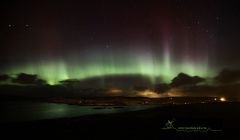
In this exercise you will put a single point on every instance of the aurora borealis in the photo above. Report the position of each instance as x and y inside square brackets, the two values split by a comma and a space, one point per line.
[54, 71]
[80, 40]
[176, 61]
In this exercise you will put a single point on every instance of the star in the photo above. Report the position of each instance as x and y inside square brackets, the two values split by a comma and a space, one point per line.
[10, 25]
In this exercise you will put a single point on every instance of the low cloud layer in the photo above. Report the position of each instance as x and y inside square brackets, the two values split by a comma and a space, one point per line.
[225, 84]
[28, 79]
[228, 76]
[183, 79]
[119, 81]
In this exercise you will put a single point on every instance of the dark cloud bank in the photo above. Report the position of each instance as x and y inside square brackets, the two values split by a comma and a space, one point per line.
[226, 83]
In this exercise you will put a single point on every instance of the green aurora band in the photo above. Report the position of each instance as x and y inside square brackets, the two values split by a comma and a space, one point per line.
[165, 68]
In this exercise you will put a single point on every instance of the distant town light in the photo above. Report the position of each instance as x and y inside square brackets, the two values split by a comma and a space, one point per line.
[148, 93]
[222, 99]
[115, 90]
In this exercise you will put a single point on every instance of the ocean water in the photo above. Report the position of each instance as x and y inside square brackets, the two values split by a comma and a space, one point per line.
[30, 111]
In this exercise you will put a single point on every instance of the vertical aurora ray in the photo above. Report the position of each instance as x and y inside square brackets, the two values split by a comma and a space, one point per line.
[167, 67]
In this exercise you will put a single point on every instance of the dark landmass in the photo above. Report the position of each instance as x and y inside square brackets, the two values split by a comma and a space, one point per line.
[113, 101]
[91, 96]
[223, 117]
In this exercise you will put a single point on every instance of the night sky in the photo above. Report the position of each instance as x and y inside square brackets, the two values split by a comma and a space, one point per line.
[59, 40]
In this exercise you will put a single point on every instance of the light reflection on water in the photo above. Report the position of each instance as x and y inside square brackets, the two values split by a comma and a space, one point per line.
[28, 111]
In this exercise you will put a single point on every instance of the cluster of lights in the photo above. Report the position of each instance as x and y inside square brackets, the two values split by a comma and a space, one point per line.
[222, 99]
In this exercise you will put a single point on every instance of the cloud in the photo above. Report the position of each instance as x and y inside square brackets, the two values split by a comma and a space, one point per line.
[230, 91]
[124, 85]
[118, 81]
[162, 88]
[183, 79]
[199, 90]
[28, 79]
[228, 76]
